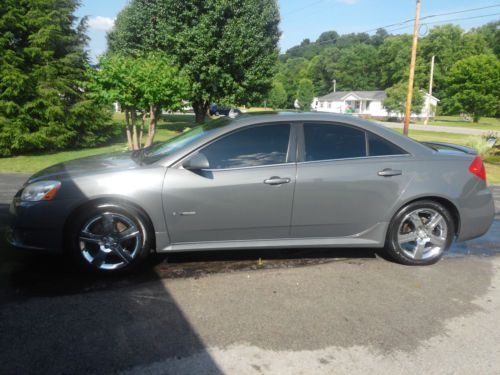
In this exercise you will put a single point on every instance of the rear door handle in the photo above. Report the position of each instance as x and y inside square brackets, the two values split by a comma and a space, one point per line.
[388, 172]
[275, 180]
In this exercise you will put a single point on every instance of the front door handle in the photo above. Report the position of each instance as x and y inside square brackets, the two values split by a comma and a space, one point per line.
[275, 180]
[388, 172]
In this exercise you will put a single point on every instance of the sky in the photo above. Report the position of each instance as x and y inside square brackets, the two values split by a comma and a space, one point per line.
[301, 19]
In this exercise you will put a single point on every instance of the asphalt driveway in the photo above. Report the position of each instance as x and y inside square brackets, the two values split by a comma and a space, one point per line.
[301, 311]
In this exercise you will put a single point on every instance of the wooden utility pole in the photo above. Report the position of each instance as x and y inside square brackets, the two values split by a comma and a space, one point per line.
[409, 95]
[430, 91]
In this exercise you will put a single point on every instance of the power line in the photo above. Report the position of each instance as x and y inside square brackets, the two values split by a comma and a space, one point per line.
[433, 15]
[425, 17]
[450, 20]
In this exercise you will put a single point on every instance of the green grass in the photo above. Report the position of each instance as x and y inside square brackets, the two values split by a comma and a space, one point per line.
[168, 126]
[485, 123]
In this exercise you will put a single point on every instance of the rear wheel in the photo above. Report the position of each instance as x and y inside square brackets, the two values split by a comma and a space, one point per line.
[110, 239]
[420, 233]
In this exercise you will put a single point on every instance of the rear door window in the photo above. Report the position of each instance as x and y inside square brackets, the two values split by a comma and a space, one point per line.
[333, 141]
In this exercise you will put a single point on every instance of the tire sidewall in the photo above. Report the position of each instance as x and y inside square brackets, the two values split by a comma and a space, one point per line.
[84, 215]
[392, 244]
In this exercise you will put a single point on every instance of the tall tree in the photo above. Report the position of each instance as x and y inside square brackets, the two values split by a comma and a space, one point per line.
[277, 96]
[305, 94]
[42, 70]
[145, 84]
[396, 100]
[228, 49]
[473, 86]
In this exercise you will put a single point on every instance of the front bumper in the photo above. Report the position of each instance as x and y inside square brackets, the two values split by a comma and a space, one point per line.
[37, 225]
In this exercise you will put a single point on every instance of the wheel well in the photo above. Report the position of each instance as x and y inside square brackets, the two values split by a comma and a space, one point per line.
[109, 200]
[448, 205]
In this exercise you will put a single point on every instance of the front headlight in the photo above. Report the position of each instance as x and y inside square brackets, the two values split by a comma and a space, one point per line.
[41, 190]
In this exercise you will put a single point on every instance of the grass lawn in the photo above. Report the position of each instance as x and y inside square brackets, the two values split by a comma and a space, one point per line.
[485, 123]
[170, 125]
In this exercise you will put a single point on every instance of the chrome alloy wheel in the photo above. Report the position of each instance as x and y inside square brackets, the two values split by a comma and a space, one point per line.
[110, 241]
[423, 234]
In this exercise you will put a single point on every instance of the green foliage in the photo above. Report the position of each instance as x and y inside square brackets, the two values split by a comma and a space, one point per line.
[473, 86]
[228, 49]
[480, 144]
[363, 62]
[396, 99]
[147, 83]
[305, 94]
[42, 72]
[138, 82]
[277, 97]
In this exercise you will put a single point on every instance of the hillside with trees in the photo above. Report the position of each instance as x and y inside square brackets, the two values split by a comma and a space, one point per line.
[360, 61]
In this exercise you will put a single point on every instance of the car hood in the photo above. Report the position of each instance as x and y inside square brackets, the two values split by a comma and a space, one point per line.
[87, 166]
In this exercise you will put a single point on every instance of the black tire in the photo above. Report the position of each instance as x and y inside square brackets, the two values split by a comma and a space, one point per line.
[123, 217]
[400, 254]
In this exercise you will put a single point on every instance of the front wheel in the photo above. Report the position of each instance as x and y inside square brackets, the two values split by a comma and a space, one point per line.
[109, 239]
[420, 233]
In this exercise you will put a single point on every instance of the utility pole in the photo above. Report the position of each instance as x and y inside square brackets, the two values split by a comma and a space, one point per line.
[409, 95]
[430, 91]
[334, 85]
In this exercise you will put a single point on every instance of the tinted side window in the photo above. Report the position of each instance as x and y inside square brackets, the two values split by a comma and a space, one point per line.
[378, 146]
[332, 141]
[260, 145]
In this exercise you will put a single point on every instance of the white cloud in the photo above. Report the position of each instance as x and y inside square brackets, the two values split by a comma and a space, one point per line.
[348, 2]
[101, 23]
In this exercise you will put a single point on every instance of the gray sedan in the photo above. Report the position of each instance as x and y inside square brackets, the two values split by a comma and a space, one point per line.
[259, 181]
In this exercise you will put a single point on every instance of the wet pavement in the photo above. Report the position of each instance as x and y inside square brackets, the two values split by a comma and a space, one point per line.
[184, 305]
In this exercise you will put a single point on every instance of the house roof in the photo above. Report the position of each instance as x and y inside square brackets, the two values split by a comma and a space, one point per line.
[362, 95]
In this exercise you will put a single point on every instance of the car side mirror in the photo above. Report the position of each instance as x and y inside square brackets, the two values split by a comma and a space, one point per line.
[196, 162]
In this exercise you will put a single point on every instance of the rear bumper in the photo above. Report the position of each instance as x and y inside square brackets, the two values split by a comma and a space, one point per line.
[477, 212]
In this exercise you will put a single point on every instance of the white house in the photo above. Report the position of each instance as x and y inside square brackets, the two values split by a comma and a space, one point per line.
[366, 103]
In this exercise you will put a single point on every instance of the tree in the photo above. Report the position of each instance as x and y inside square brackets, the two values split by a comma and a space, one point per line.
[228, 49]
[278, 96]
[356, 68]
[305, 94]
[473, 86]
[146, 84]
[42, 72]
[396, 99]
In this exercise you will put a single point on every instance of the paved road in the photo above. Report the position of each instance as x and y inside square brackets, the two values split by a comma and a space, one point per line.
[303, 311]
[433, 128]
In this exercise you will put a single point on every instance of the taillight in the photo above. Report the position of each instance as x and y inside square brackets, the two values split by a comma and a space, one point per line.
[477, 168]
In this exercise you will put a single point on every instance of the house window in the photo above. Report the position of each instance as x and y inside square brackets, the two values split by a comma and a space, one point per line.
[330, 105]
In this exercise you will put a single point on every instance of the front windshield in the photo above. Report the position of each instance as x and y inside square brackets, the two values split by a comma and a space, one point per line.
[162, 149]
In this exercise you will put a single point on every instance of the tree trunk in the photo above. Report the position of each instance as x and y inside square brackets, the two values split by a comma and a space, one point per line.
[143, 120]
[200, 110]
[127, 129]
[153, 120]
[133, 116]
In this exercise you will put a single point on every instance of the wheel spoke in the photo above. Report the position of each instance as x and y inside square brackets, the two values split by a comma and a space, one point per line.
[437, 240]
[407, 237]
[127, 234]
[108, 223]
[419, 250]
[122, 253]
[434, 222]
[86, 236]
[99, 258]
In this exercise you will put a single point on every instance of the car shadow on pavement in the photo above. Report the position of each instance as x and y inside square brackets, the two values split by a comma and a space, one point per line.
[55, 319]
